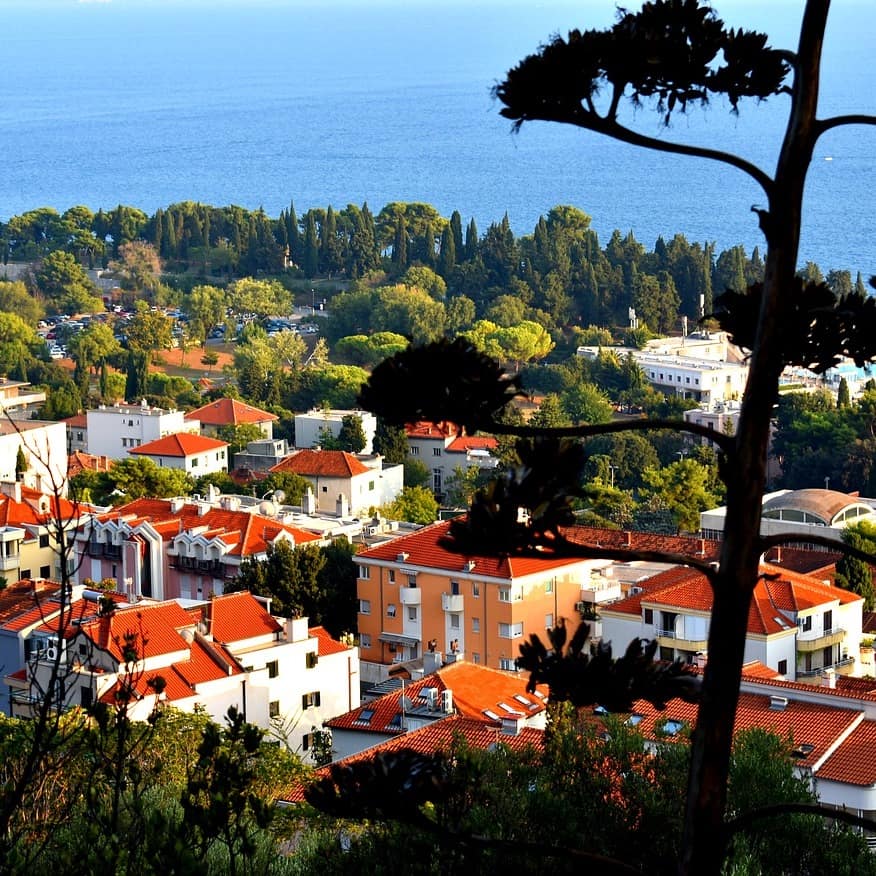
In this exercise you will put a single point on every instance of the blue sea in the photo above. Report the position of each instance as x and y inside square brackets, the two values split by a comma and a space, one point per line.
[260, 104]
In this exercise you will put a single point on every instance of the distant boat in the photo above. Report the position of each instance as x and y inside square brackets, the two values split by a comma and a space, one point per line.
[828, 158]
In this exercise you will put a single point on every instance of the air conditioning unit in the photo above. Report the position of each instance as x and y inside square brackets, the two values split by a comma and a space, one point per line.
[431, 697]
[447, 701]
[51, 653]
[581, 606]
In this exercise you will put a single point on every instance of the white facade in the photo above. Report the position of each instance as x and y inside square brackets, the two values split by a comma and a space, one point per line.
[113, 431]
[309, 426]
[45, 449]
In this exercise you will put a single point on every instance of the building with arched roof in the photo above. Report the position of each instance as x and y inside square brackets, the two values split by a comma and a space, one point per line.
[823, 513]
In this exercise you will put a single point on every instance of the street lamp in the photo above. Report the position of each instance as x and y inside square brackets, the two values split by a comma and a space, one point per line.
[681, 454]
[612, 469]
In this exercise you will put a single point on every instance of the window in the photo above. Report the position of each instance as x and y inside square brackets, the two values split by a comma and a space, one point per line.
[45, 571]
[549, 621]
[365, 716]
[783, 667]
[306, 741]
[510, 631]
[25, 574]
[79, 436]
[390, 610]
[549, 585]
[412, 612]
[507, 664]
[44, 541]
[310, 700]
[274, 709]
[648, 615]
[86, 697]
[311, 659]
[415, 451]
[805, 623]
[504, 594]
[436, 451]
[392, 576]
[195, 462]
[454, 588]
[371, 486]
[412, 580]
[325, 489]
[124, 442]
[273, 668]
[475, 657]
[365, 572]
[828, 621]
[364, 640]
[475, 624]
[476, 589]
[436, 480]
[454, 621]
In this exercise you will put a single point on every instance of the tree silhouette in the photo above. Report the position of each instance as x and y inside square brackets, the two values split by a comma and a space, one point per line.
[671, 55]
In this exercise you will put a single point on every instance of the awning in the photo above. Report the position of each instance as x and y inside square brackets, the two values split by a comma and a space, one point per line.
[396, 639]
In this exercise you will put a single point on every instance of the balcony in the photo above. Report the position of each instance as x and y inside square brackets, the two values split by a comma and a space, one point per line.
[453, 602]
[410, 596]
[815, 641]
[845, 664]
[9, 563]
[674, 639]
[216, 568]
[100, 549]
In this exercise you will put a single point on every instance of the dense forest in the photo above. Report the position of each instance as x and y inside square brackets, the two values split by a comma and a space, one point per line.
[560, 273]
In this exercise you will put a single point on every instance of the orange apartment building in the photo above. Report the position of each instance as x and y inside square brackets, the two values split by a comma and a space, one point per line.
[415, 596]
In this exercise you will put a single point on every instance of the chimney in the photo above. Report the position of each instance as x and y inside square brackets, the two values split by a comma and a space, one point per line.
[308, 502]
[628, 539]
[342, 506]
[12, 489]
[828, 679]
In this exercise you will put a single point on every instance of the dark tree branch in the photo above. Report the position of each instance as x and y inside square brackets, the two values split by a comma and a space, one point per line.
[836, 121]
[744, 822]
[779, 539]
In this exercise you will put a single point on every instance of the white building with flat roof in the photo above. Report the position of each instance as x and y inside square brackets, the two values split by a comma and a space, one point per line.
[310, 427]
[116, 430]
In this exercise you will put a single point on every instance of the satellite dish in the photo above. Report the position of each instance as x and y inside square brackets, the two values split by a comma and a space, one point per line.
[406, 704]
[279, 496]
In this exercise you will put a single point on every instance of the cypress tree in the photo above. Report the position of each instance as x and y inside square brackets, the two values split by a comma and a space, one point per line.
[471, 241]
[294, 234]
[456, 231]
[447, 253]
[400, 245]
[843, 396]
[205, 226]
[158, 231]
[311, 247]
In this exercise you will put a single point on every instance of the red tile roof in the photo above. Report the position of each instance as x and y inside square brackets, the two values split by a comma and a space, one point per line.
[77, 421]
[476, 690]
[325, 643]
[854, 762]
[156, 627]
[464, 443]
[181, 444]
[780, 591]
[78, 462]
[322, 463]
[37, 509]
[438, 431]
[238, 616]
[229, 412]
[245, 533]
[424, 549]
[25, 602]
[438, 736]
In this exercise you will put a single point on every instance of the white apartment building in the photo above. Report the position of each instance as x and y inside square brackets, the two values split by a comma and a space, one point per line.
[309, 427]
[116, 430]
[45, 451]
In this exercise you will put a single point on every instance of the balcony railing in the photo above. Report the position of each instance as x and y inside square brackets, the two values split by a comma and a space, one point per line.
[216, 568]
[811, 673]
[813, 641]
[673, 639]
[9, 563]
[453, 602]
[410, 596]
[99, 549]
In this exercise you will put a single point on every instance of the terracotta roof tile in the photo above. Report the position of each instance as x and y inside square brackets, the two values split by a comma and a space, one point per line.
[780, 591]
[435, 737]
[245, 533]
[229, 412]
[237, 616]
[854, 762]
[423, 549]
[326, 644]
[464, 443]
[181, 444]
[322, 463]
[156, 627]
